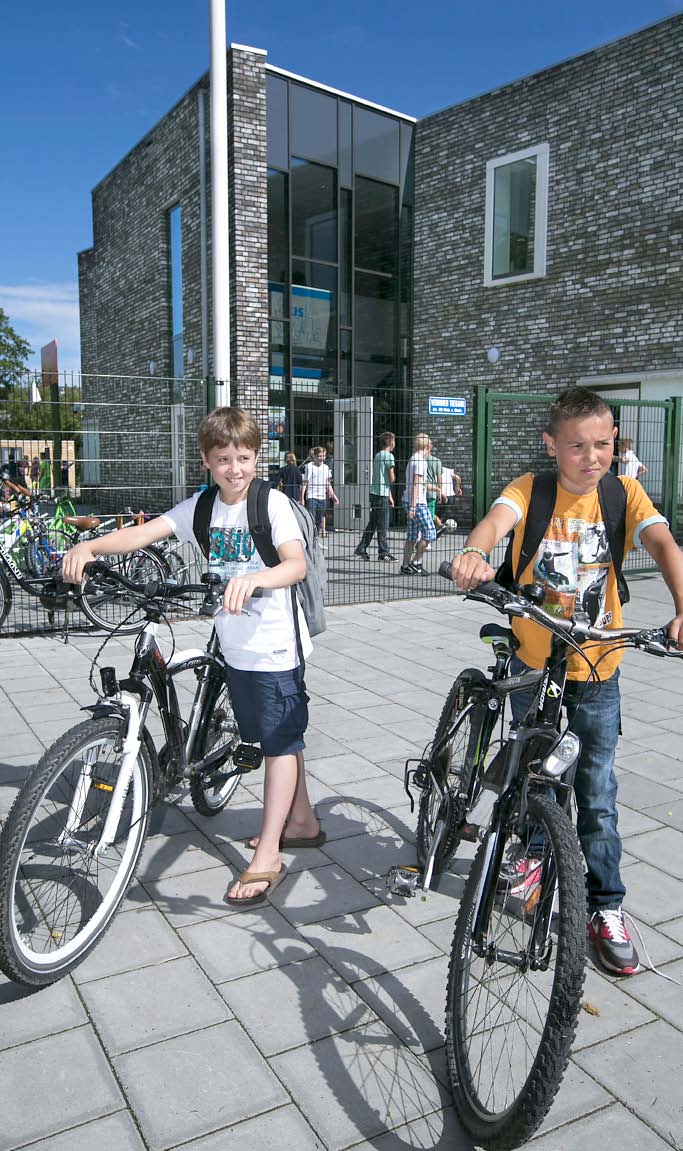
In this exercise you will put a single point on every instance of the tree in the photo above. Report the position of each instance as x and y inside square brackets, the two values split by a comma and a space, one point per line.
[14, 350]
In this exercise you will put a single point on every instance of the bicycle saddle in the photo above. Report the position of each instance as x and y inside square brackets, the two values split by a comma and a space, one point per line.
[492, 632]
[83, 523]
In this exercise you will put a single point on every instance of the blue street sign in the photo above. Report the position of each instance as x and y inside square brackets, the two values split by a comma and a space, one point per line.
[447, 405]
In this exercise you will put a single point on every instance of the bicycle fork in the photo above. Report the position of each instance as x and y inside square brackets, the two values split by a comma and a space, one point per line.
[130, 752]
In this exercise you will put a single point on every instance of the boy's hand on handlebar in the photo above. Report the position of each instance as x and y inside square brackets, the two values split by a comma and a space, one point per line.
[469, 570]
[238, 591]
[75, 560]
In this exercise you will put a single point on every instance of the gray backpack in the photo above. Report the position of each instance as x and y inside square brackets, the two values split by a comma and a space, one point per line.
[310, 591]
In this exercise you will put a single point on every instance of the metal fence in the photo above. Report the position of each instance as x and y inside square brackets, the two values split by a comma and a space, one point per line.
[121, 446]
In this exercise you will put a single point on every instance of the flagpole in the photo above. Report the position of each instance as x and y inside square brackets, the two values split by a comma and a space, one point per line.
[220, 247]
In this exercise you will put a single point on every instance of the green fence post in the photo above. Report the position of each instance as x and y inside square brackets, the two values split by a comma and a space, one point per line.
[480, 468]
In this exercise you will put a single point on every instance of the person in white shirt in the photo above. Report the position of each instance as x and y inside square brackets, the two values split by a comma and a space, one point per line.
[265, 679]
[317, 488]
[629, 464]
[420, 531]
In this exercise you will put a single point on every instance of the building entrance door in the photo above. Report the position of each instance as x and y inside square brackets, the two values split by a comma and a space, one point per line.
[353, 460]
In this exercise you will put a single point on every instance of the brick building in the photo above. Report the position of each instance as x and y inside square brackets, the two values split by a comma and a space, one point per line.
[525, 239]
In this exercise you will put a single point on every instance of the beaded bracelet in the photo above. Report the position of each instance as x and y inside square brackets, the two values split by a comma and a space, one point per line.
[478, 551]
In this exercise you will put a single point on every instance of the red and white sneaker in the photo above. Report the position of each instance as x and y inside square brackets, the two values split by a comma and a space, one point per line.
[520, 877]
[612, 942]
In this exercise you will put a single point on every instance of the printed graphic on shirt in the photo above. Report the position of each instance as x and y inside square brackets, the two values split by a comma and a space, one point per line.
[232, 552]
[572, 564]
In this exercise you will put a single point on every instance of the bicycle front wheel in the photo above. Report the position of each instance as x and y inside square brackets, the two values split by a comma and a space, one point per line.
[110, 606]
[60, 887]
[210, 790]
[514, 988]
[453, 760]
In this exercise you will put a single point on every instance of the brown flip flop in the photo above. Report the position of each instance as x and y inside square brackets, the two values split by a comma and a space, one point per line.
[272, 878]
[305, 841]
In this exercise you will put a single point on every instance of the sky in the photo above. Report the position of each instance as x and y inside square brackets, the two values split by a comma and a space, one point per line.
[81, 82]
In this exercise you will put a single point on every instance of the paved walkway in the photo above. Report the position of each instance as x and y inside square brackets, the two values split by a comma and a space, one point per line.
[317, 1022]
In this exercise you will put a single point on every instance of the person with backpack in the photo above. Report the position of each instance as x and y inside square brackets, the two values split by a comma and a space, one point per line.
[264, 641]
[563, 512]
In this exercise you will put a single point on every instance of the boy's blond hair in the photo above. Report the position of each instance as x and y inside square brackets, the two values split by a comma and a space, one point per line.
[625, 444]
[421, 442]
[225, 426]
[318, 451]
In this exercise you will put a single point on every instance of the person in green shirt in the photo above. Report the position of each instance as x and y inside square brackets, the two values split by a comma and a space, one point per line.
[381, 500]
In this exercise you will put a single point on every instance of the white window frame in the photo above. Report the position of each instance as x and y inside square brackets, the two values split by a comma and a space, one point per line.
[542, 154]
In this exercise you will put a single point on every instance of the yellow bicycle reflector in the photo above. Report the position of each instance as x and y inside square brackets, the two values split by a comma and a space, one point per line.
[532, 901]
[103, 786]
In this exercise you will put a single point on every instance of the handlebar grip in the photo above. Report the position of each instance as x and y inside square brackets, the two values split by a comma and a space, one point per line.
[445, 570]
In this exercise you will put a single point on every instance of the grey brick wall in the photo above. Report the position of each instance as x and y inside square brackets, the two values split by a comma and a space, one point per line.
[610, 301]
[125, 292]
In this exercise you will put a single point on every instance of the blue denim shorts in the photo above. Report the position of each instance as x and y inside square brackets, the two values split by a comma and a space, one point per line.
[271, 708]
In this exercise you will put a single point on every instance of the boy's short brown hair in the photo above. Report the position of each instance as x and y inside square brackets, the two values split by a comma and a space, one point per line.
[290, 458]
[228, 426]
[386, 438]
[575, 404]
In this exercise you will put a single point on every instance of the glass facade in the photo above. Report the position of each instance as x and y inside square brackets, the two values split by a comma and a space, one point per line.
[339, 260]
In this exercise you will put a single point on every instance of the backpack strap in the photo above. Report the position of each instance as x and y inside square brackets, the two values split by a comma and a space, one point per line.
[612, 497]
[258, 519]
[541, 505]
[202, 518]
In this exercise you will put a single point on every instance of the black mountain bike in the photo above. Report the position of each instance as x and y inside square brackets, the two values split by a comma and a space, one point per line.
[517, 962]
[73, 838]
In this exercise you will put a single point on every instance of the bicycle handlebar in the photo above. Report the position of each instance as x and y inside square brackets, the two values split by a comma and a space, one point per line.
[656, 640]
[211, 587]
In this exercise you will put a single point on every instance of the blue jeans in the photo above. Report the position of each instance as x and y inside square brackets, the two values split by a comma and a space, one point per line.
[596, 722]
[317, 510]
[380, 514]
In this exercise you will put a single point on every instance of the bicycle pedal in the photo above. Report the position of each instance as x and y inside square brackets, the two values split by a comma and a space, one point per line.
[404, 881]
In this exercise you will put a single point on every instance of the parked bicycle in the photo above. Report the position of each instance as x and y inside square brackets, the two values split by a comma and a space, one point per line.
[517, 961]
[73, 838]
[32, 559]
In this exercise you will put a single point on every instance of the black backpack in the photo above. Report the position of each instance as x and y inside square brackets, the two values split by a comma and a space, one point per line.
[309, 593]
[612, 497]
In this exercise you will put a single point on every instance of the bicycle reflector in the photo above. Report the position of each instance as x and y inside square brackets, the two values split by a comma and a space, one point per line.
[563, 755]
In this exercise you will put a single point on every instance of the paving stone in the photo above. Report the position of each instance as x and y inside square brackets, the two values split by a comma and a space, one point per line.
[135, 939]
[294, 1005]
[321, 893]
[344, 768]
[643, 1071]
[178, 855]
[616, 1010]
[368, 943]
[660, 995]
[190, 1086]
[673, 928]
[662, 848]
[634, 822]
[155, 1003]
[640, 793]
[279, 1130]
[441, 1129]
[650, 893]
[652, 763]
[355, 1085]
[669, 813]
[115, 1133]
[244, 942]
[186, 899]
[411, 1002]
[27, 1015]
[612, 1129]
[42, 1086]
[368, 856]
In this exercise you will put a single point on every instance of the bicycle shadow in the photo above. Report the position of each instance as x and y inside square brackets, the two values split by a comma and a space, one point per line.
[383, 1069]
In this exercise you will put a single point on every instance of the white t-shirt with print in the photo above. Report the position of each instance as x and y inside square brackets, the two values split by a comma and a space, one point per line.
[417, 466]
[317, 477]
[264, 640]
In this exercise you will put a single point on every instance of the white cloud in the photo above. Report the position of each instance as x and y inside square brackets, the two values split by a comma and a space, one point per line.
[42, 312]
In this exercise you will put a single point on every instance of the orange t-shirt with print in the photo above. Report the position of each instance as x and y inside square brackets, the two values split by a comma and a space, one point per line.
[573, 563]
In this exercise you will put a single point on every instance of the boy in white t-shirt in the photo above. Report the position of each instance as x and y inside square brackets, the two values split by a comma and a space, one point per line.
[629, 464]
[316, 487]
[260, 650]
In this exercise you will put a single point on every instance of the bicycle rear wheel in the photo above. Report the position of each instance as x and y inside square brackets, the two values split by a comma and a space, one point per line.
[453, 761]
[107, 604]
[514, 992]
[210, 791]
[58, 893]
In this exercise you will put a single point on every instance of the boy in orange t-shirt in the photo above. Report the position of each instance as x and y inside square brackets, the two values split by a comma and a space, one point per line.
[573, 562]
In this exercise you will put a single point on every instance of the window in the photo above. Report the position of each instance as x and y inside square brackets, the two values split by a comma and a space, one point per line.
[516, 216]
[314, 211]
[176, 253]
[313, 123]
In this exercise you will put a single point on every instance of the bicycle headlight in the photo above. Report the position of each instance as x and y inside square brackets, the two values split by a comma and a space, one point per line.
[563, 755]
